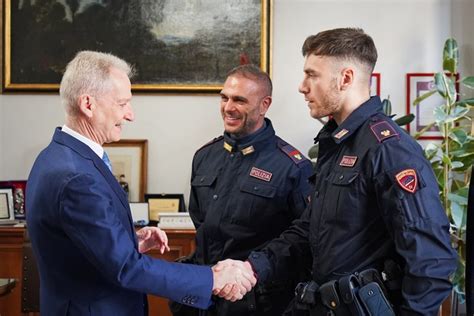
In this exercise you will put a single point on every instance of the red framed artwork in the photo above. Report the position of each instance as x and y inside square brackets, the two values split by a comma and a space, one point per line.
[419, 84]
[375, 84]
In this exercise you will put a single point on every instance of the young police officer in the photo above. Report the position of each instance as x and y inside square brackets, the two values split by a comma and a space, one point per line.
[375, 203]
[247, 187]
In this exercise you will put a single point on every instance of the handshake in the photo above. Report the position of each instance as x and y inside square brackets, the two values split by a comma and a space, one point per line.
[232, 279]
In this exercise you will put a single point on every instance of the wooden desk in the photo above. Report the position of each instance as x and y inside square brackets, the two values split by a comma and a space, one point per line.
[181, 243]
[11, 247]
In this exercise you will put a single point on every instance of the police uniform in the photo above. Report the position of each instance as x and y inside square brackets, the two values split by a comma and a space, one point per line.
[375, 198]
[244, 193]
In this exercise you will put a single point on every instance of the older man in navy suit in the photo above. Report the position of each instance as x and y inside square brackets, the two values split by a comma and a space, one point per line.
[89, 257]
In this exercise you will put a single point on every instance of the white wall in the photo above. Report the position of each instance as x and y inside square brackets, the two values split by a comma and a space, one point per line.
[463, 26]
[409, 35]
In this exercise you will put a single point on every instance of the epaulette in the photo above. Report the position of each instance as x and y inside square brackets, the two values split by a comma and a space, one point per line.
[382, 129]
[215, 140]
[291, 151]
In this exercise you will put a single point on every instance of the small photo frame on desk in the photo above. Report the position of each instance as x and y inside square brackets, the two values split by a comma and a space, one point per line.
[139, 212]
[6, 204]
[158, 203]
[19, 196]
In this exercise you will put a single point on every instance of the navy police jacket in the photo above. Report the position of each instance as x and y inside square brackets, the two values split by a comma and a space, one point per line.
[245, 194]
[375, 198]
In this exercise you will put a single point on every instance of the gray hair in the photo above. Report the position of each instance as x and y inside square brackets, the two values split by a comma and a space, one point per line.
[89, 72]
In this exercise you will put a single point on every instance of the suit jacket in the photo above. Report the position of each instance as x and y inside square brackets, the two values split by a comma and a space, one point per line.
[82, 234]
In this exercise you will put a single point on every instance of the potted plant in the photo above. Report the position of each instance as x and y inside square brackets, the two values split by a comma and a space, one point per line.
[453, 156]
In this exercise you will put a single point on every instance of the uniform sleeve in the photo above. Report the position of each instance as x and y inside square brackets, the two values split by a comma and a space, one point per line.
[194, 208]
[302, 189]
[92, 223]
[407, 194]
[288, 252]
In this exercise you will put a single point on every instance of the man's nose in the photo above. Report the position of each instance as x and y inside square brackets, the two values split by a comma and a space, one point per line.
[302, 88]
[229, 106]
[129, 115]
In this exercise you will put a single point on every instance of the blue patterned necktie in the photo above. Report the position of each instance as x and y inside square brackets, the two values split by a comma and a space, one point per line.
[106, 160]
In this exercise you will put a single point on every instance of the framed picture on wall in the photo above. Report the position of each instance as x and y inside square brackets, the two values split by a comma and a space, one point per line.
[129, 166]
[175, 46]
[375, 84]
[419, 84]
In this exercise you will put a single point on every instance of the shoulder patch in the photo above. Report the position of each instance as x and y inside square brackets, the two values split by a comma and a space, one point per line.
[291, 151]
[383, 130]
[215, 140]
[407, 180]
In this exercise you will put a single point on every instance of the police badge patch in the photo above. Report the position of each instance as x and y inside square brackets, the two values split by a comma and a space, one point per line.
[348, 161]
[261, 174]
[407, 180]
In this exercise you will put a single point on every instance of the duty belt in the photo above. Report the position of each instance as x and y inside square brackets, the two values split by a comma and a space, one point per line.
[362, 294]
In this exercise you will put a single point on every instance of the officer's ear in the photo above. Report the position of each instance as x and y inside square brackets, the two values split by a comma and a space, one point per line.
[347, 78]
[265, 105]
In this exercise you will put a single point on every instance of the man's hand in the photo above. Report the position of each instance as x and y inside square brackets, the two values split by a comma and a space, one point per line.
[233, 279]
[151, 238]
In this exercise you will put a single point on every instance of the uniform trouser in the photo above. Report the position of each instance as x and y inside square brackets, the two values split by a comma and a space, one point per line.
[253, 304]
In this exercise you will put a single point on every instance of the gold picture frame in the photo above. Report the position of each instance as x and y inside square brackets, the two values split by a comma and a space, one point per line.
[175, 50]
[129, 158]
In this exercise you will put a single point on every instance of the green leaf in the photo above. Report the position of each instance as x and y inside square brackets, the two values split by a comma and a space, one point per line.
[448, 64]
[431, 150]
[450, 55]
[457, 212]
[446, 160]
[462, 153]
[459, 135]
[445, 87]
[439, 177]
[465, 102]
[468, 82]
[442, 117]
[440, 114]
[457, 113]
[405, 120]
[456, 164]
[423, 97]
[460, 196]
[457, 185]
[387, 107]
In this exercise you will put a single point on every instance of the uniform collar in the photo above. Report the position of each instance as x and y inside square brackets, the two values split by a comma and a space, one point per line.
[249, 144]
[353, 121]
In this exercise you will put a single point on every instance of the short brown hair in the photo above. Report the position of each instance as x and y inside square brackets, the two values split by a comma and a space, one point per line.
[344, 43]
[254, 73]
